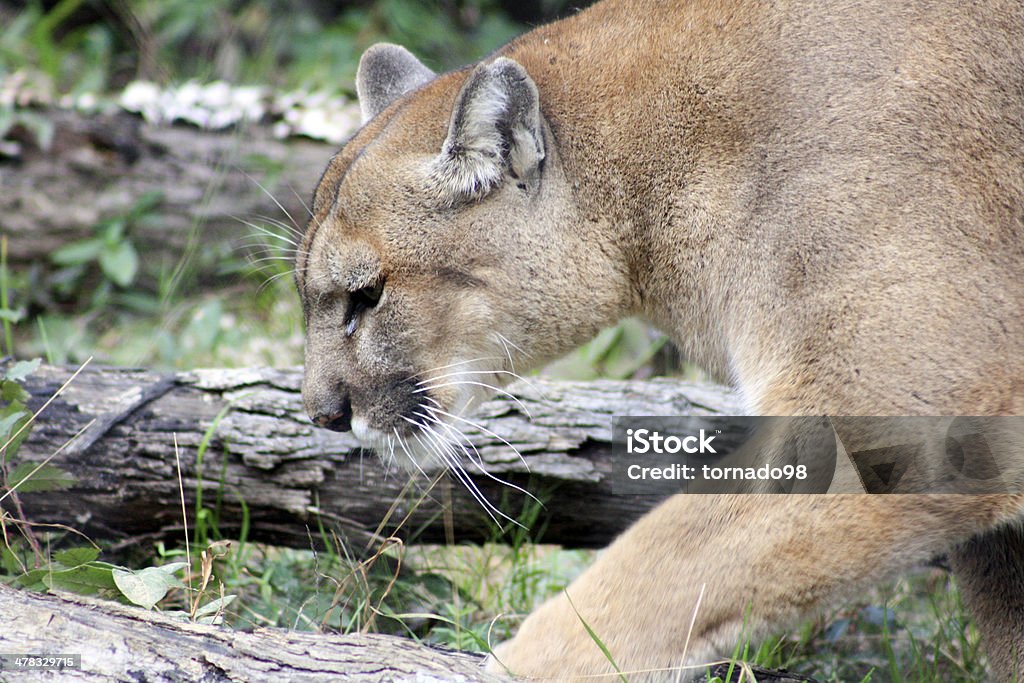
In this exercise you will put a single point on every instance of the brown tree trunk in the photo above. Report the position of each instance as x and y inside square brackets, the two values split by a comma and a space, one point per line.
[293, 477]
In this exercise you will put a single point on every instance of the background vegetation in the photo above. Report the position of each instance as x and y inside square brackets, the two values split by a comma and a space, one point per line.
[94, 301]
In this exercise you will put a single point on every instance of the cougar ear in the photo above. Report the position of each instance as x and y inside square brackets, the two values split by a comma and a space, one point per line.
[386, 72]
[495, 130]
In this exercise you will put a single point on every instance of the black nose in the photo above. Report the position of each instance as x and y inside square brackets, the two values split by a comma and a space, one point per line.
[340, 421]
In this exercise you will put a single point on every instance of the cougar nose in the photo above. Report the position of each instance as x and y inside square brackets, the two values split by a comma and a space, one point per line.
[340, 421]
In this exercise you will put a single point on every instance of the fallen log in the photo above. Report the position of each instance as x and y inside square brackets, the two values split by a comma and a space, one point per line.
[111, 642]
[118, 643]
[242, 436]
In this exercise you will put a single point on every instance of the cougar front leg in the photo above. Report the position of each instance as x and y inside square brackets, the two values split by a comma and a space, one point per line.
[762, 562]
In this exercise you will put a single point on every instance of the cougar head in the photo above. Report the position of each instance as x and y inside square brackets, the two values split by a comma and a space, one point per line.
[445, 253]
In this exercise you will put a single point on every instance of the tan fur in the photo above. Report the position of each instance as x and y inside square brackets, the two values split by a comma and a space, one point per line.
[823, 203]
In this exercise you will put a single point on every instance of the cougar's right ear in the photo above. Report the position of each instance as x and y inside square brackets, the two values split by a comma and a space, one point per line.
[386, 72]
[494, 132]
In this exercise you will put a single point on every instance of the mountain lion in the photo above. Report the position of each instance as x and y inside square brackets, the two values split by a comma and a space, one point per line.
[822, 203]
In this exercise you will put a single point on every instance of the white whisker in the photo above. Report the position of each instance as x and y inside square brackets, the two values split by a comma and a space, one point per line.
[271, 279]
[411, 457]
[514, 375]
[481, 428]
[301, 201]
[265, 232]
[451, 365]
[463, 476]
[454, 468]
[508, 342]
[274, 199]
[478, 460]
[512, 397]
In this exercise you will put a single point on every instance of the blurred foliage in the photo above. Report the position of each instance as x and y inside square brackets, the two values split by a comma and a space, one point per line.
[101, 299]
[77, 46]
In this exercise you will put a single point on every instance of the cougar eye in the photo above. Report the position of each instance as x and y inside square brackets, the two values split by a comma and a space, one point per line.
[359, 301]
[370, 295]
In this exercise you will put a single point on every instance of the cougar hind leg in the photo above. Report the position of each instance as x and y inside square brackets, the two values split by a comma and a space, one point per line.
[990, 571]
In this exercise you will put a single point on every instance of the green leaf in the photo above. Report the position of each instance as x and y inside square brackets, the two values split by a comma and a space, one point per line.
[12, 392]
[214, 606]
[48, 478]
[11, 315]
[23, 369]
[178, 615]
[7, 424]
[34, 579]
[9, 561]
[120, 263]
[112, 230]
[603, 343]
[146, 202]
[76, 557]
[145, 587]
[85, 580]
[172, 568]
[78, 253]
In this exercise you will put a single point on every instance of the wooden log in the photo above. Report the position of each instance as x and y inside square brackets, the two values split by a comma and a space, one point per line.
[118, 643]
[293, 477]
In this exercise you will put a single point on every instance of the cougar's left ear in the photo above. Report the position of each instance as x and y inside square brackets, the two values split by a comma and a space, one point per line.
[386, 72]
[495, 130]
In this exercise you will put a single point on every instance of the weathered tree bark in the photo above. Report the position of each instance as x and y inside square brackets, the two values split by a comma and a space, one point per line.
[118, 643]
[292, 477]
[98, 167]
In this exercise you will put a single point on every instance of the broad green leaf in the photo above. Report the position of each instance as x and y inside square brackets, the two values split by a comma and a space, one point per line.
[76, 557]
[145, 587]
[48, 478]
[120, 263]
[23, 369]
[78, 253]
[85, 580]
